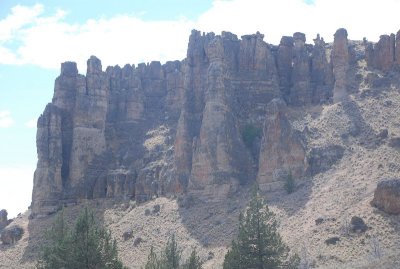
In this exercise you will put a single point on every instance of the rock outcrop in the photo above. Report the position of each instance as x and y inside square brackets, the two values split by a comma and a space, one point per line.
[3, 219]
[340, 62]
[155, 129]
[385, 54]
[11, 235]
[387, 196]
[322, 158]
[282, 151]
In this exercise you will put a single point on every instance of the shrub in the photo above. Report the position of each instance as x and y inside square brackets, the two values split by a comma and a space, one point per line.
[249, 134]
[290, 185]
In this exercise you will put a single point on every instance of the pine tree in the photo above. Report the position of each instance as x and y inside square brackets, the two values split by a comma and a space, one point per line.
[171, 256]
[87, 246]
[290, 185]
[53, 253]
[193, 262]
[258, 245]
[152, 260]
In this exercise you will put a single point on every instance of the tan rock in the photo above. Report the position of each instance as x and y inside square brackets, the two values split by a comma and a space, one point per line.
[282, 151]
[387, 196]
[340, 62]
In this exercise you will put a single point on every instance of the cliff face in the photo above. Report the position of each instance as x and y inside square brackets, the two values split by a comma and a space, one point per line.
[206, 125]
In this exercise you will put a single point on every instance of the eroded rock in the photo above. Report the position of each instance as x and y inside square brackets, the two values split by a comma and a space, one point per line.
[340, 62]
[387, 196]
[3, 219]
[282, 151]
[11, 235]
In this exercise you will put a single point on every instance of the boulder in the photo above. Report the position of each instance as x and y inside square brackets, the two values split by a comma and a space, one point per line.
[11, 235]
[332, 240]
[394, 142]
[387, 196]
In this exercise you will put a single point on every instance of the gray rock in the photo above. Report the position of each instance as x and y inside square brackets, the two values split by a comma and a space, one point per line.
[382, 55]
[11, 235]
[321, 159]
[138, 132]
[332, 240]
[340, 61]
[394, 142]
[3, 219]
[358, 225]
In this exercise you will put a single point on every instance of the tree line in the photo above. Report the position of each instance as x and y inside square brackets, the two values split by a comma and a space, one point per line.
[258, 245]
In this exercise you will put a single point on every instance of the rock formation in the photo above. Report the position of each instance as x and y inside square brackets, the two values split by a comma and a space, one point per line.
[11, 235]
[385, 54]
[387, 196]
[282, 151]
[155, 129]
[340, 62]
[3, 219]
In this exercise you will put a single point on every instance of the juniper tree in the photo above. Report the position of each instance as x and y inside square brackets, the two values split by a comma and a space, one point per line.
[193, 262]
[153, 261]
[171, 256]
[86, 246]
[258, 244]
[290, 185]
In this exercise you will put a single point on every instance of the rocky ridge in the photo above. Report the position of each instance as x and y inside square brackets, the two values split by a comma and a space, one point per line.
[204, 125]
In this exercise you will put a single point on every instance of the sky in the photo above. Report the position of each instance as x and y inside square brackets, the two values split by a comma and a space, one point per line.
[37, 36]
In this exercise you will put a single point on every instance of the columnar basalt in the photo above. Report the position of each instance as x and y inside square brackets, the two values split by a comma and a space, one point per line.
[385, 54]
[340, 62]
[141, 131]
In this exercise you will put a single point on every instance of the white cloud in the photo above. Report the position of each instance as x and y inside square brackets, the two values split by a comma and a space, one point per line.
[16, 188]
[5, 119]
[47, 40]
[20, 16]
[284, 17]
[31, 123]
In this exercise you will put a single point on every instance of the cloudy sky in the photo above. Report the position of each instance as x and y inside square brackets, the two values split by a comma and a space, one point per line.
[36, 36]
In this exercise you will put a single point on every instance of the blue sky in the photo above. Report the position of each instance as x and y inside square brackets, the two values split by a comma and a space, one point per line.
[37, 35]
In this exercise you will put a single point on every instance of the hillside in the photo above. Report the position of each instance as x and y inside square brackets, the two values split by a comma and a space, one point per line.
[328, 113]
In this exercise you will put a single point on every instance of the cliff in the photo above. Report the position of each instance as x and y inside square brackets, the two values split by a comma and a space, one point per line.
[205, 125]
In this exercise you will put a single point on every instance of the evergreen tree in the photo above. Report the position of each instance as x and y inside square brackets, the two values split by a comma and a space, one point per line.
[193, 262]
[87, 246]
[290, 185]
[171, 256]
[53, 253]
[258, 245]
[152, 261]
